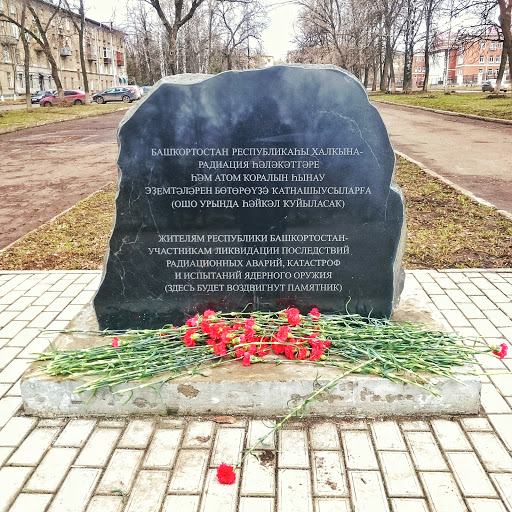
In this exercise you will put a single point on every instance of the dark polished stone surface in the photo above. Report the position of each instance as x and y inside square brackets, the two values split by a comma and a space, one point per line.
[295, 203]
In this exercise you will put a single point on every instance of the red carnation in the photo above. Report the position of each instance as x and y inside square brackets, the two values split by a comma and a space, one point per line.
[289, 351]
[189, 341]
[293, 316]
[502, 352]
[282, 333]
[246, 361]
[208, 313]
[314, 312]
[303, 354]
[192, 322]
[115, 342]
[225, 474]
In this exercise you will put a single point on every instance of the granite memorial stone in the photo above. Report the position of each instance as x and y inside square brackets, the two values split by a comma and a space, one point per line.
[258, 189]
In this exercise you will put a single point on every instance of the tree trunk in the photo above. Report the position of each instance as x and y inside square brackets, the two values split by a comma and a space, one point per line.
[505, 21]
[26, 55]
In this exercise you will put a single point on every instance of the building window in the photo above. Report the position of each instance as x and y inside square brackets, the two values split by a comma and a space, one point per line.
[497, 59]
[15, 30]
[7, 55]
[31, 81]
[482, 45]
[500, 46]
[460, 58]
[67, 24]
[482, 59]
[1, 5]
[493, 45]
[480, 71]
[491, 58]
[10, 80]
[20, 79]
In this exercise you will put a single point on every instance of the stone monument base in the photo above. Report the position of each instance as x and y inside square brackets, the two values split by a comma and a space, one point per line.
[260, 390]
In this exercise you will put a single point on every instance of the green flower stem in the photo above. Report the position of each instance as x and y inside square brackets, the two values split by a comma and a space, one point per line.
[295, 411]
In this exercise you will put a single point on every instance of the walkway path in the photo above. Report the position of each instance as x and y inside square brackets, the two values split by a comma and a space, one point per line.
[474, 154]
[168, 464]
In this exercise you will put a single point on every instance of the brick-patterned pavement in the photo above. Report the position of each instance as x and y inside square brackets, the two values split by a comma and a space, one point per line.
[168, 464]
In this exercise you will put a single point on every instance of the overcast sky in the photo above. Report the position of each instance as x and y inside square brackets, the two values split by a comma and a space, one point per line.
[277, 39]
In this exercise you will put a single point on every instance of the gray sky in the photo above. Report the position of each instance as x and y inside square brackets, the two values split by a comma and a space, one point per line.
[276, 39]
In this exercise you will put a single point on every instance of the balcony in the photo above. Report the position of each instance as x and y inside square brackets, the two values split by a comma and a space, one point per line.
[66, 52]
[119, 59]
[8, 40]
[91, 56]
[107, 60]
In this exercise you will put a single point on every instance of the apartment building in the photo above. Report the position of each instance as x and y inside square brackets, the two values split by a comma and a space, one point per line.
[104, 51]
[469, 62]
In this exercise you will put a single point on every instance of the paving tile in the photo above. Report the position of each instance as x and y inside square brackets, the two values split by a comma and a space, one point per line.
[43, 320]
[496, 295]
[148, 491]
[502, 424]
[329, 477]
[12, 479]
[425, 453]
[482, 302]
[15, 430]
[76, 490]
[190, 471]
[503, 382]
[7, 354]
[387, 436]
[470, 474]
[228, 446]
[112, 424]
[485, 328]
[58, 304]
[399, 474]
[256, 505]
[491, 451]
[455, 318]
[414, 425]
[442, 302]
[12, 328]
[75, 433]
[165, 423]
[471, 311]
[497, 317]
[475, 424]
[184, 504]
[163, 447]
[504, 484]
[294, 491]
[31, 502]
[106, 504]
[485, 505]
[352, 425]
[5, 453]
[46, 298]
[442, 492]
[99, 447]
[217, 496]
[52, 470]
[199, 434]
[34, 347]
[409, 505]
[34, 447]
[450, 435]
[492, 401]
[10, 297]
[432, 288]
[332, 505]
[458, 296]
[121, 470]
[30, 313]
[368, 493]
[257, 430]
[259, 475]
[358, 450]
[293, 449]
[24, 337]
[137, 434]
[13, 371]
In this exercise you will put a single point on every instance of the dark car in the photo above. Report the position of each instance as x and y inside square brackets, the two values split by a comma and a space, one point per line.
[74, 97]
[125, 94]
[39, 95]
[490, 85]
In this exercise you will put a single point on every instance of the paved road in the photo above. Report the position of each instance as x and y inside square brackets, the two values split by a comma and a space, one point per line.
[473, 154]
[47, 169]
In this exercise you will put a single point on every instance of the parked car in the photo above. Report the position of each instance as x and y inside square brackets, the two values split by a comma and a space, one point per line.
[125, 94]
[490, 85]
[145, 89]
[74, 97]
[39, 95]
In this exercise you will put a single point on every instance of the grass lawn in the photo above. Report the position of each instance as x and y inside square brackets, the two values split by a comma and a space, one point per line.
[446, 229]
[12, 120]
[479, 104]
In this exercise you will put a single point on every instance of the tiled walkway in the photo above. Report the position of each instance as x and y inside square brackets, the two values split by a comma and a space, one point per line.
[167, 464]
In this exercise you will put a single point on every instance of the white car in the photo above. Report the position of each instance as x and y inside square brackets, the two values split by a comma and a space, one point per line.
[490, 85]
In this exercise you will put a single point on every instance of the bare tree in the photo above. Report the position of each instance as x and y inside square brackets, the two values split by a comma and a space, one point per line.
[173, 23]
[413, 13]
[241, 20]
